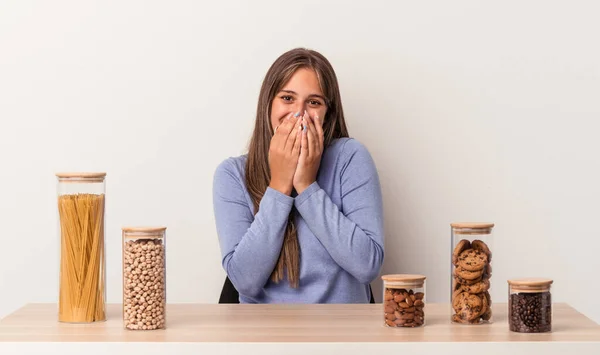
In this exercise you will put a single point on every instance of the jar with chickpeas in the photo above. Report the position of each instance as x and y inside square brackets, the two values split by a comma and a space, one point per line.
[144, 278]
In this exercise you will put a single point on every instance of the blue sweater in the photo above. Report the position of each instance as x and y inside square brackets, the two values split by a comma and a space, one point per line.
[339, 223]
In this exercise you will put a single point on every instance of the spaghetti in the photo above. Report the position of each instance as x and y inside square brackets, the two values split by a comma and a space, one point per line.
[81, 295]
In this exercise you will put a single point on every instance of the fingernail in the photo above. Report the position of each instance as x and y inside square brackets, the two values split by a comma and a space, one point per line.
[297, 114]
[304, 128]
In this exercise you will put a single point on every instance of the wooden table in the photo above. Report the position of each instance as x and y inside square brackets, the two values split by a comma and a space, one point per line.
[291, 329]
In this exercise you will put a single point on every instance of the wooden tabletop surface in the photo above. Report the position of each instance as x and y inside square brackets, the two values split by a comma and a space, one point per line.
[286, 323]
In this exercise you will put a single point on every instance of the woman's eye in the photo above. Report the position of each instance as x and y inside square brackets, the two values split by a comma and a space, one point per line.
[314, 102]
[286, 98]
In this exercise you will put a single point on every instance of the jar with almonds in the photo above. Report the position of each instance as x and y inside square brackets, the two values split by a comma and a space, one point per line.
[403, 300]
[471, 273]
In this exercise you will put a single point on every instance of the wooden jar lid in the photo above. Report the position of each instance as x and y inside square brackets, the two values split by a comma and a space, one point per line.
[471, 225]
[530, 284]
[144, 229]
[472, 228]
[81, 177]
[404, 279]
[143, 232]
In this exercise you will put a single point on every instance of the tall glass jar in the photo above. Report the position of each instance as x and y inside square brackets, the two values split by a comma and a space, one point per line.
[471, 273]
[403, 300]
[144, 278]
[82, 277]
[530, 305]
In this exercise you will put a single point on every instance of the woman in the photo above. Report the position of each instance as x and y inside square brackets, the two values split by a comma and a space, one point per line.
[300, 217]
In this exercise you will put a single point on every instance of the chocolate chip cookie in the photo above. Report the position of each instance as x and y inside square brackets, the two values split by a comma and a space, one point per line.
[469, 306]
[480, 287]
[472, 260]
[462, 281]
[468, 275]
[460, 247]
[487, 271]
[480, 245]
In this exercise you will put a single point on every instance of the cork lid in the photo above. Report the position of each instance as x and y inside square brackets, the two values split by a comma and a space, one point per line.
[404, 279]
[145, 232]
[81, 177]
[144, 229]
[472, 225]
[472, 228]
[530, 284]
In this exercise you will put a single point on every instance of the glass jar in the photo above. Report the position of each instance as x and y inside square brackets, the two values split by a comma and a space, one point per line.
[530, 305]
[82, 276]
[144, 278]
[471, 273]
[403, 300]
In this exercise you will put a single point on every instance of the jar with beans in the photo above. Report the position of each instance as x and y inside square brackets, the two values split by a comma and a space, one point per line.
[529, 305]
[144, 278]
[403, 300]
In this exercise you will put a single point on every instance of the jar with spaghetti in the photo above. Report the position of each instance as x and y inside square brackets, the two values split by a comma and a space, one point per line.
[144, 278]
[82, 277]
[471, 273]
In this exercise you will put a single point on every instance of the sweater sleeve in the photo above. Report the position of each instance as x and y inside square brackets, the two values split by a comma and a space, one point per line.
[250, 244]
[353, 236]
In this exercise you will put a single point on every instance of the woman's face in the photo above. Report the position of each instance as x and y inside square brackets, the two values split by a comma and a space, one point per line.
[301, 92]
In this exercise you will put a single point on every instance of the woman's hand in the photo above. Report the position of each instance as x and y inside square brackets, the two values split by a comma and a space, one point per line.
[310, 153]
[284, 153]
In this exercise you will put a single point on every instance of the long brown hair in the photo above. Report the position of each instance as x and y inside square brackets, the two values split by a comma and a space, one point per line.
[258, 175]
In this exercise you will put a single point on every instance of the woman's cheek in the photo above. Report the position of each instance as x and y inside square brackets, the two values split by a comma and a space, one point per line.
[318, 112]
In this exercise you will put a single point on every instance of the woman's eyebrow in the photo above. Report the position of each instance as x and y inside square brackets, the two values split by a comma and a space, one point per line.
[311, 95]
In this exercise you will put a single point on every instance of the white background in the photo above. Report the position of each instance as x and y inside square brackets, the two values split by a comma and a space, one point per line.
[473, 111]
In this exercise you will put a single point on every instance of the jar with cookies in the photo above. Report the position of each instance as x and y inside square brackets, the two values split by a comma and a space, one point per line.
[144, 278]
[471, 273]
[403, 300]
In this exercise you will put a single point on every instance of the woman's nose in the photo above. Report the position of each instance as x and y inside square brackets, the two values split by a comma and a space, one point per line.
[300, 108]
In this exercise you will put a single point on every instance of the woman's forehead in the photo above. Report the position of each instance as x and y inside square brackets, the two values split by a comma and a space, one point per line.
[304, 81]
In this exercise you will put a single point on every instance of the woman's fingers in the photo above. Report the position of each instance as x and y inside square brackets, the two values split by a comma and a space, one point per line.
[311, 127]
[284, 130]
[298, 142]
[304, 149]
[292, 137]
[311, 135]
[319, 127]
